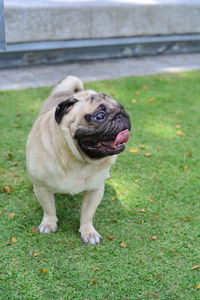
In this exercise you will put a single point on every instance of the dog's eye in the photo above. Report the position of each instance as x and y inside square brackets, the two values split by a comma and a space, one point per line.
[87, 118]
[100, 116]
[119, 116]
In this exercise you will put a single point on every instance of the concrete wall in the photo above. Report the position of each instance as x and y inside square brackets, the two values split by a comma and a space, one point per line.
[51, 20]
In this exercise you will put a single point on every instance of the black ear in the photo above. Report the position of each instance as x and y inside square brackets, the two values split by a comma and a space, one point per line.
[63, 108]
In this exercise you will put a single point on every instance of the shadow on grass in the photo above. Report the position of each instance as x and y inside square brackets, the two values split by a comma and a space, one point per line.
[30, 212]
[69, 208]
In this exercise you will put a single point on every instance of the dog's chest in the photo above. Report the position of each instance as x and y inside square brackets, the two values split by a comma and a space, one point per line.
[73, 181]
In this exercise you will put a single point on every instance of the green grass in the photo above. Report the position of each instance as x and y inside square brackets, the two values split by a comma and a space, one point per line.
[147, 268]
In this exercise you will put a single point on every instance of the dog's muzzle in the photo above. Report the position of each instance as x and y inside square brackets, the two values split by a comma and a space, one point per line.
[107, 139]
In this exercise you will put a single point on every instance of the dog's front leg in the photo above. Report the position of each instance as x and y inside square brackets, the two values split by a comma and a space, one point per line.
[91, 201]
[47, 200]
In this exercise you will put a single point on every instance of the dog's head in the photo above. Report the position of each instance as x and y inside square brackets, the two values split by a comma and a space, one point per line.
[98, 124]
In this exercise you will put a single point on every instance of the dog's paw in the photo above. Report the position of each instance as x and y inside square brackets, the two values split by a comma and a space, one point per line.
[89, 235]
[49, 224]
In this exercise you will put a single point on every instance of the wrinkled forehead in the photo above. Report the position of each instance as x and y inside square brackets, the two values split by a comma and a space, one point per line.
[94, 98]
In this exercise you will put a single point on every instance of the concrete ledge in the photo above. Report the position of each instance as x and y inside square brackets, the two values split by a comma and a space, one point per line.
[76, 50]
[52, 20]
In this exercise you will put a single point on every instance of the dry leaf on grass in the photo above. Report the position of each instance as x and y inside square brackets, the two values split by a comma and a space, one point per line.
[153, 238]
[70, 243]
[110, 237]
[197, 286]
[133, 150]
[147, 154]
[137, 93]
[94, 281]
[44, 271]
[96, 269]
[34, 230]
[8, 243]
[188, 217]
[121, 192]
[154, 295]
[11, 215]
[142, 147]
[133, 101]
[35, 254]
[188, 154]
[10, 155]
[13, 240]
[178, 126]
[180, 133]
[17, 125]
[151, 100]
[123, 245]
[7, 189]
[150, 199]
[195, 267]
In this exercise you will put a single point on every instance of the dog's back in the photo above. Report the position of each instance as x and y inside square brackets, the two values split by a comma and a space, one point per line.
[63, 90]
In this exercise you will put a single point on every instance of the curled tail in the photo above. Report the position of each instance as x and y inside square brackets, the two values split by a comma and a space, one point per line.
[70, 83]
[64, 89]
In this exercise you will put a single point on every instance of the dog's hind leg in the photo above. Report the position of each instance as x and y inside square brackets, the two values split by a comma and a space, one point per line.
[47, 201]
[90, 203]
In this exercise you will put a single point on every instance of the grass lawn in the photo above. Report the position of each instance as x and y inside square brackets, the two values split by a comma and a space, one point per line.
[150, 215]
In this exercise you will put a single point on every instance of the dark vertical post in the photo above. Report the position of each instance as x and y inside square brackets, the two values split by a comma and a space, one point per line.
[2, 28]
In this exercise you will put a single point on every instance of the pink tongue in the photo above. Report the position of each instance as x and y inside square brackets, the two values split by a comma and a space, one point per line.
[121, 138]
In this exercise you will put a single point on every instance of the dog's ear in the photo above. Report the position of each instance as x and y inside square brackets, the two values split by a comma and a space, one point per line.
[63, 108]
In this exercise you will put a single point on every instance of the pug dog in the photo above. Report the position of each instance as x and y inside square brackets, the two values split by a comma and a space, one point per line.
[70, 149]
